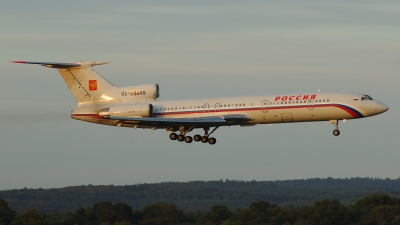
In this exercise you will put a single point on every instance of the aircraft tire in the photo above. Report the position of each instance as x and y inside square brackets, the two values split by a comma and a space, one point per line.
[188, 139]
[173, 136]
[212, 141]
[197, 138]
[336, 132]
[180, 138]
[204, 139]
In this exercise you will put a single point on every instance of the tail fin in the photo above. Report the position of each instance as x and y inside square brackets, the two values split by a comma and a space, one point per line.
[85, 84]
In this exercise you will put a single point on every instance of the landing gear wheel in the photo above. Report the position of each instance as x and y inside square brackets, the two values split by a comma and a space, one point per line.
[173, 136]
[188, 139]
[197, 137]
[204, 139]
[336, 132]
[212, 141]
[180, 138]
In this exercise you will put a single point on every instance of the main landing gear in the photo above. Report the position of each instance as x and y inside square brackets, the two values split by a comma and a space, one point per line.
[188, 139]
[336, 132]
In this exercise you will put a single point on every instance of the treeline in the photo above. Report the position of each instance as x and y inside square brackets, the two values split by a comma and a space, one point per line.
[374, 209]
[200, 195]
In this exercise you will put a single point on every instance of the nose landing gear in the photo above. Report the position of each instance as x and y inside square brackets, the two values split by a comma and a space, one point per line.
[336, 132]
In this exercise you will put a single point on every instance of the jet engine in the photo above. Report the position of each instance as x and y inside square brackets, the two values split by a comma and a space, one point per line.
[131, 110]
[147, 92]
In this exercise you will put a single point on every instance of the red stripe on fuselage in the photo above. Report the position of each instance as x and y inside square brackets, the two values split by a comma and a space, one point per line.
[235, 110]
[348, 110]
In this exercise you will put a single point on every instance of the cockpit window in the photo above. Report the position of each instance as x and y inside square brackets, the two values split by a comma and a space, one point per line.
[366, 97]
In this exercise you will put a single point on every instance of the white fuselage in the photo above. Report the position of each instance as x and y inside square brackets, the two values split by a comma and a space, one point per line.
[261, 109]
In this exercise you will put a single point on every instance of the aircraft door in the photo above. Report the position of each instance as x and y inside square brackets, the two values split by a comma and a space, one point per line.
[264, 106]
[286, 117]
[311, 104]
[217, 107]
[206, 108]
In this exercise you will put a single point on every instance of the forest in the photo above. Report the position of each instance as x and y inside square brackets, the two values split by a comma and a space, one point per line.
[201, 195]
[374, 209]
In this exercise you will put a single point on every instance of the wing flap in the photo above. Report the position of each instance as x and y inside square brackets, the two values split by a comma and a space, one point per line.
[168, 121]
[236, 117]
[172, 120]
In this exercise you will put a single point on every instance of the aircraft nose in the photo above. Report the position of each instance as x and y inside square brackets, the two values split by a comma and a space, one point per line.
[381, 108]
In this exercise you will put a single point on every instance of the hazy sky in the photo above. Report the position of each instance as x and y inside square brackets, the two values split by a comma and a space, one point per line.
[195, 49]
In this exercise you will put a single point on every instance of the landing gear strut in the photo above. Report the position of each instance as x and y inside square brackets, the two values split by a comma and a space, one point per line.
[336, 132]
[206, 138]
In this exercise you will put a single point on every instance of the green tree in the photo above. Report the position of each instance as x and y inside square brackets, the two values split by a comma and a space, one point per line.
[161, 213]
[329, 212]
[262, 212]
[218, 214]
[123, 212]
[101, 212]
[6, 214]
[78, 218]
[31, 217]
[376, 209]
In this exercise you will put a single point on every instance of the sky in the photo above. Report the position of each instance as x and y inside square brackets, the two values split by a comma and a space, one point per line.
[196, 49]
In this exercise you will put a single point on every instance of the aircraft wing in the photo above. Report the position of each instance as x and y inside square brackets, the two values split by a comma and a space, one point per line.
[180, 121]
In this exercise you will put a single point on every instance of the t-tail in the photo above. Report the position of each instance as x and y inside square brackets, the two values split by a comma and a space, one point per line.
[87, 86]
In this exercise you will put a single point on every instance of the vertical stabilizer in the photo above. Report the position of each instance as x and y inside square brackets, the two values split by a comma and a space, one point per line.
[87, 85]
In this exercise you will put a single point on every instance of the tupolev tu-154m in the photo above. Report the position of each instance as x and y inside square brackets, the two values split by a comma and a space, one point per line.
[136, 106]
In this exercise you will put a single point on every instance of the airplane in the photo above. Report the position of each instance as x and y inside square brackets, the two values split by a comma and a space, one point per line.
[98, 101]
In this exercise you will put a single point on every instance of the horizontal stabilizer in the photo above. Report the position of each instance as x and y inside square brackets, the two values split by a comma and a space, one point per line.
[63, 65]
